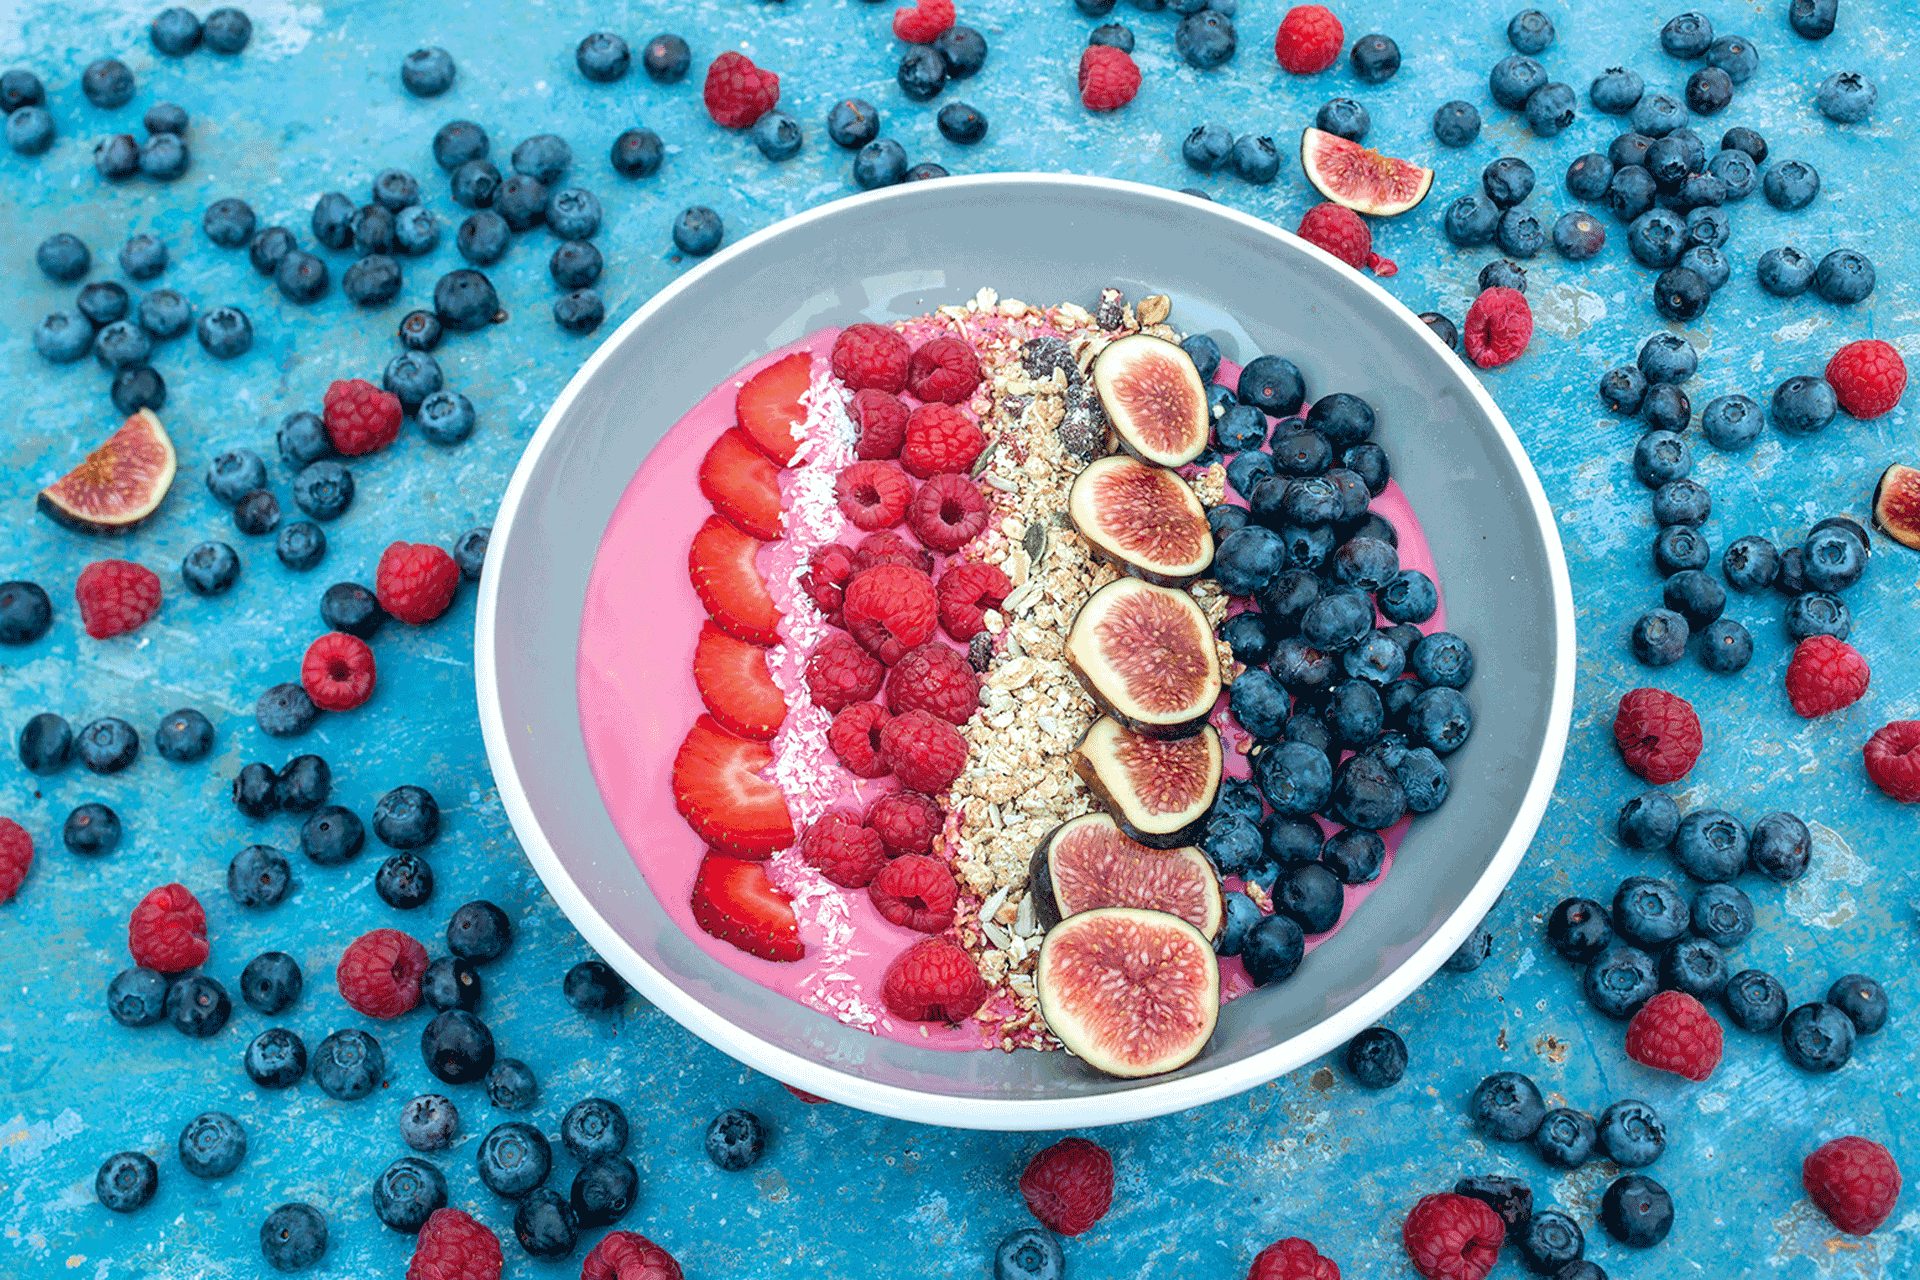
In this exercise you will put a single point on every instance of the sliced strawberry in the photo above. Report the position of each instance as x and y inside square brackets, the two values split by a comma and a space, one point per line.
[742, 485]
[769, 407]
[721, 566]
[735, 684]
[736, 903]
[718, 790]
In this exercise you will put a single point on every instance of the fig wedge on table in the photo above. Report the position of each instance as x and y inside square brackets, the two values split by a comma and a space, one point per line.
[1144, 520]
[1153, 398]
[1896, 505]
[1158, 789]
[1361, 178]
[1147, 656]
[1088, 862]
[117, 486]
[1132, 992]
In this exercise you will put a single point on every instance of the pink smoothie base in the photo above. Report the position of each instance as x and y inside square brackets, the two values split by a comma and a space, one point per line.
[637, 699]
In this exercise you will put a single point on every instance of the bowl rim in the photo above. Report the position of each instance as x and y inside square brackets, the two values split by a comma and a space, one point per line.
[1149, 1098]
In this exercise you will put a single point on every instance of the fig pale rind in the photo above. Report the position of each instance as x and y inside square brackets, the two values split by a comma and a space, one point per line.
[1088, 862]
[117, 486]
[1153, 398]
[1158, 789]
[1133, 993]
[1146, 655]
[1142, 519]
[1896, 505]
[1361, 178]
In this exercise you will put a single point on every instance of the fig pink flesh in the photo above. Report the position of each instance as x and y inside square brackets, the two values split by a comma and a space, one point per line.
[1138, 991]
[1896, 505]
[1096, 865]
[1168, 775]
[1151, 642]
[1158, 400]
[1142, 510]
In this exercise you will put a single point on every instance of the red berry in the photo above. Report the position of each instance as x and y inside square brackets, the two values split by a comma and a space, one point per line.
[1868, 377]
[1344, 234]
[1825, 675]
[737, 93]
[888, 547]
[914, 891]
[873, 495]
[934, 677]
[812, 1099]
[360, 417]
[1308, 40]
[1069, 1186]
[840, 673]
[1499, 327]
[1658, 734]
[932, 981]
[825, 580]
[940, 439]
[415, 581]
[871, 356]
[890, 609]
[854, 737]
[947, 513]
[168, 930]
[628, 1255]
[116, 596]
[1893, 760]
[1108, 78]
[844, 851]
[943, 371]
[923, 23]
[379, 973]
[16, 857]
[906, 821]
[337, 672]
[923, 751]
[965, 593]
[1453, 1237]
[1854, 1181]
[453, 1246]
[1292, 1259]
[881, 423]
[1674, 1032]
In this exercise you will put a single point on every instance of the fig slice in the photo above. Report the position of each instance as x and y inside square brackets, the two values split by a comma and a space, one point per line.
[117, 486]
[1896, 505]
[1147, 656]
[1359, 177]
[1088, 862]
[1158, 789]
[1145, 520]
[1134, 993]
[1153, 398]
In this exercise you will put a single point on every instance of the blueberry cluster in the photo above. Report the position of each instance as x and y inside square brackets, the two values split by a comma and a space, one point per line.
[1251, 157]
[122, 336]
[854, 125]
[1497, 214]
[925, 70]
[1519, 83]
[47, 743]
[162, 157]
[23, 101]
[1204, 37]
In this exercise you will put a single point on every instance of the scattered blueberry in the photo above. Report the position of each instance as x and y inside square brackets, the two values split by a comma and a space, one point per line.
[603, 57]
[258, 876]
[735, 1139]
[224, 332]
[1813, 19]
[574, 214]
[1790, 185]
[301, 545]
[1507, 1107]
[1273, 950]
[212, 1145]
[107, 745]
[227, 30]
[332, 836]
[1803, 405]
[579, 311]
[637, 153]
[350, 607]
[1616, 91]
[1620, 980]
[137, 997]
[1780, 847]
[127, 1180]
[1456, 124]
[1726, 647]
[593, 1128]
[1695, 966]
[257, 512]
[349, 1065]
[371, 282]
[1376, 1058]
[429, 1122]
[276, 1059]
[666, 58]
[1207, 39]
[513, 1158]
[964, 49]
[1579, 930]
[62, 338]
[1550, 109]
[475, 185]
[1721, 914]
[1472, 953]
[922, 73]
[1530, 31]
[1374, 59]
[959, 122]
[465, 301]
[1632, 1134]
[407, 1192]
[116, 156]
[592, 986]
[451, 983]
[427, 72]
[92, 830]
[270, 982]
[1862, 1000]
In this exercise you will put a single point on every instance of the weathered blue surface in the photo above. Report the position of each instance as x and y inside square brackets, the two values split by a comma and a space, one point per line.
[314, 104]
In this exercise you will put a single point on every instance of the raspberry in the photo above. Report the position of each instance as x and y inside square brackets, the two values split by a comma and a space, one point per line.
[1453, 1237]
[1344, 234]
[168, 930]
[1292, 1259]
[947, 513]
[905, 821]
[923, 751]
[628, 1255]
[844, 851]
[923, 23]
[1499, 327]
[932, 981]
[1825, 675]
[1674, 1032]
[1854, 1181]
[415, 581]
[966, 592]
[1069, 1186]
[943, 371]
[1108, 78]
[16, 857]
[115, 596]
[873, 495]
[737, 93]
[337, 672]
[452, 1246]
[890, 609]
[360, 417]
[825, 580]
[933, 677]
[1867, 377]
[1658, 734]
[915, 891]
[379, 973]
[881, 423]
[888, 547]
[1893, 760]
[871, 357]
[940, 439]
[1308, 40]
[854, 736]
[812, 1099]
[840, 673]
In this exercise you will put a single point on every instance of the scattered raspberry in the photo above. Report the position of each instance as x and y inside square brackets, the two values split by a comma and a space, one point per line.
[415, 581]
[934, 677]
[825, 580]
[1854, 1181]
[1308, 40]
[932, 981]
[947, 513]
[844, 851]
[1453, 1237]
[873, 495]
[888, 547]
[854, 736]
[379, 973]
[1893, 761]
[943, 371]
[1674, 1032]
[966, 592]
[915, 891]
[923, 751]
[1292, 1259]
[905, 821]
[1344, 234]
[1499, 327]
[1108, 78]
[360, 417]
[337, 672]
[881, 423]
[840, 673]
[1658, 734]
[115, 596]
[1069, 1186]
[737, 93]
[628, 1255]
[890, 609]
[941, 438]
[1868, 377]
[812, 1099]
[168, 930]
[923, 23]
[1825, 675]
[452, 1246]
[871, 357]
[16, 857]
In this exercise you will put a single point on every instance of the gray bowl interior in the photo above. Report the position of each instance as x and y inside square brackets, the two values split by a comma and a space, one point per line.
[1041, 240]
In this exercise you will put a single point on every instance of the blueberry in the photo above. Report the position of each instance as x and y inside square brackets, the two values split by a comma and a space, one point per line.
[511, 1085]
[1377, 660]
[1862, 1000]
[637, 153]
[92, 830]
[1736, 56]
[1666, 408]
[1273, 950]
[301, 545]
[1803, 405]
[227, 30]
[1731, 422]
[416, 231]
[1246, 634]
[1442, 659]
[1648, 821]
[1695, 966]
[1694, 596]
[603, 1190]
[303, 785]
[1658, 114]
[256, 512]
[1353, 715]
[115, 156]
[545, 1225]
[212, 1145]
[332, 836]
[1726, 647]
[143, 256]
[666, 58]
[1337, 620]
[603, 57]
[1632, 1134]
[1207, 40]
[1637, 1211]
[404, 881]
[1472, 953]
[136, 389]
[482, 237]
[1687, 36]
[1620, 980]
[46, 741]
[1616, 91]
[1456, 124]
[254, 792]
[163, 156]
[1813, 19]
[349, 1065]
[407, 1192]
[1579, 930]
[1376, 1058]
[1631, 192]
[574, 214]
[137, 997]
[1353, 855]
[1844, 277]
[1624, 389]
[959, 122]
[1530, 31]
[175, 32]
[1368, 461]
[350, 607]
[62, 338]
[122, 345]
[1553, 1243]
[1750, 563]
[1440, 718]
[1790, 581]
[1736, 172]
[579, 311]
[1818, 1038]
[1472, 220]
[926, 171]
[1648, 912]
[1679, 547]
[107, 745]
[1550, 109]
[427, 72]
[1508, 1197]
[107, 83]
[429, 1122]
[371, 282]
[475, 184]
[1682, 502]
[258, 876]
[1565, 1138]
[1114, 34]
[1029, 1254]
[922, 73]
[323, 489]
[1521, 234]
[1780, 847]
[1589, 176]
[127, 1180]
[103, 302]
[1507, 1107]
[224, 332]
[1656, 239]
[1310, 895]
[1790, 185]
[1287, 842]
[1241, 914]
[276, 1059]
[465, 300]
[1295, 779]
[270, 982]
[1707, 263]
[1832, 559]
[1374, 59]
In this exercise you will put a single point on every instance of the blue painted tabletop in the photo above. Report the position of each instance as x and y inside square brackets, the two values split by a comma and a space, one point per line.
[314, 104]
